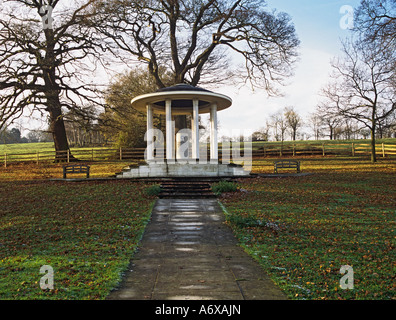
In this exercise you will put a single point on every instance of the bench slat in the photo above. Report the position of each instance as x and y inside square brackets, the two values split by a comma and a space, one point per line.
[75, 169]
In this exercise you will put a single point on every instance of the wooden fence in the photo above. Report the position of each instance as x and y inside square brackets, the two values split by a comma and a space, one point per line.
[324, 149]
[267, 150]
[88, 155]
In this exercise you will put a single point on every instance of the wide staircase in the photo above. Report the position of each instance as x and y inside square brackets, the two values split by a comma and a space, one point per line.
[186, 188]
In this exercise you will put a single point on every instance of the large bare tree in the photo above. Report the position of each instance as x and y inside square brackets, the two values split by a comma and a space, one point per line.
[376, 20]
[46, 50]
[203, 41]
[362, 86]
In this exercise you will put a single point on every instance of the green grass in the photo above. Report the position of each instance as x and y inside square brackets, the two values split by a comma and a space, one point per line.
[302, 230]
[19, 148]
[87, 232]
[48, 170]
[46, 152]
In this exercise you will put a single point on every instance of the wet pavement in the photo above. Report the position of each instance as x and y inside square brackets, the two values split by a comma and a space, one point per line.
[188, 253]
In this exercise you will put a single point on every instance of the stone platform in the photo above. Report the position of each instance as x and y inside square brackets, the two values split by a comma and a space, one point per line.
[183, 169]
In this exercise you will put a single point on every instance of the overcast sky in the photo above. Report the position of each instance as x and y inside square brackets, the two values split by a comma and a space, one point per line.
[318, 27]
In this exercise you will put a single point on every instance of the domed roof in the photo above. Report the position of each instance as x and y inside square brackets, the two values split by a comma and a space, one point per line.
[182, 87]
[182, 96]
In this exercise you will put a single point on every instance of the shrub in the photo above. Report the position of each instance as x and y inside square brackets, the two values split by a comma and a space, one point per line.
[224, 186]
[153, 190]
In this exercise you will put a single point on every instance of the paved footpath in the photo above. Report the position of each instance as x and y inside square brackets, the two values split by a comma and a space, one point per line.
[188, 253]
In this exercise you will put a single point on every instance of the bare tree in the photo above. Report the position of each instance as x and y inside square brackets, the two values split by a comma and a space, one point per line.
[195, 38]
[376, 21]
[363, 85]
[293, 121]
[329, 118]
[279, 125]
[46, 49]
[262, 134]
[316, 124]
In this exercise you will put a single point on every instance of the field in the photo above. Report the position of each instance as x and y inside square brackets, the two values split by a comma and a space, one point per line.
[87, 232]
[18, 148]
[300, 229]
[303, 230]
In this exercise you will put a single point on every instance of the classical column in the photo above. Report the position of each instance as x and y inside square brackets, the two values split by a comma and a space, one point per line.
[214, 153]
[170, 136]
[150, 135]
[195, 130]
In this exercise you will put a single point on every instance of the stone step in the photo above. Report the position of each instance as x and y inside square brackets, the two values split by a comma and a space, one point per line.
[185, 188]
[195, 195]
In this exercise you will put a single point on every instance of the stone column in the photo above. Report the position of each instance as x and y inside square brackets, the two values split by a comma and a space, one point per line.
[170, 136]
[150, 135]
[195, 130]
[214, 152]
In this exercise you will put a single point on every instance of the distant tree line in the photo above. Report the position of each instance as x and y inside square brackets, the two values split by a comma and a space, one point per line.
[48, 59]
[14, 135]
[360, 98]
[288, 124]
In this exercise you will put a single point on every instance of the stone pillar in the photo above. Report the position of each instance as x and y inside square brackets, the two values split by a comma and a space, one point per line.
[150, 135]
[195, 130]
[170, 136]
[214, 152]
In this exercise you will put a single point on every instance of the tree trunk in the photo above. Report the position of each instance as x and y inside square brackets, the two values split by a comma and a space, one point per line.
[57, 128]
[53, 106]
[373, 153]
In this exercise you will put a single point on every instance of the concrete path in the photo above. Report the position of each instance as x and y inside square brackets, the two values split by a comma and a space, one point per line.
[188, 253]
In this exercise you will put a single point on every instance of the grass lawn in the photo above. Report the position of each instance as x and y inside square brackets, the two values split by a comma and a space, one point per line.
[87, 232]
[49, 170]
[302, 230]
[16, 148]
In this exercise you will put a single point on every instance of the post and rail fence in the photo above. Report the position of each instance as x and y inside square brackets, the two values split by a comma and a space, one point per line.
[266, 150]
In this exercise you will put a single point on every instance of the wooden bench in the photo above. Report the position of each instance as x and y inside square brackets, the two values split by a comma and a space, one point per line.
[75, 168]
[286, 164]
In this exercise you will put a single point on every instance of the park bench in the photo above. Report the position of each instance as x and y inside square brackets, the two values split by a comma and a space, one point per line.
[75, 168]
[286, 164]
